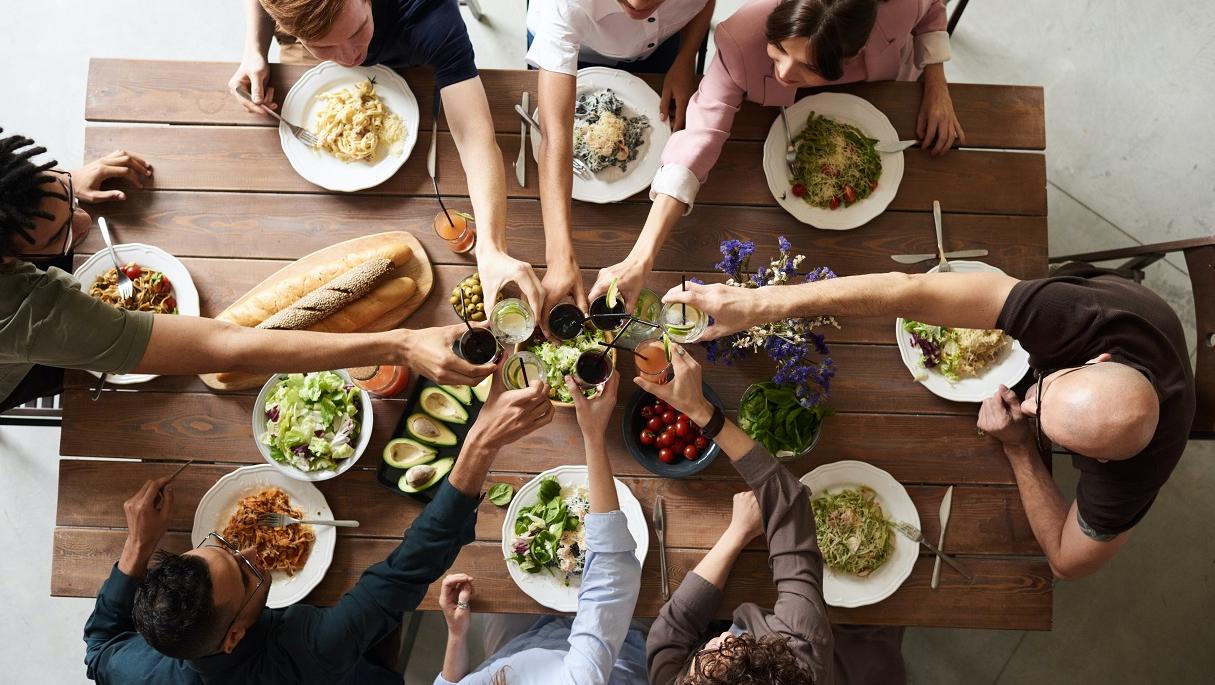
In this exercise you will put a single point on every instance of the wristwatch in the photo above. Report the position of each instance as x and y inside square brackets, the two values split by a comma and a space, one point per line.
[713, 427]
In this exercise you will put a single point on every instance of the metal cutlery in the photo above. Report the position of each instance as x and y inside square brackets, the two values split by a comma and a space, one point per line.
[790, 149]
[302, 134]
[912, 533]
[917, 258]
[581, 170]
[432, 165]
[943, 266]
[161, 492]
[896, 146]
[946, 505]
[276, 520]
[662, 546]
[125, 287]
[96, 394]
[521, 160]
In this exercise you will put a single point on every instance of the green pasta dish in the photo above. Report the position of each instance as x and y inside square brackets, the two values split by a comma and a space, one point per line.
[852, 531]
[836, 164]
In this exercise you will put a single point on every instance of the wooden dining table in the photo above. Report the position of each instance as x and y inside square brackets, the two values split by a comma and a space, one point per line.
[225, 201]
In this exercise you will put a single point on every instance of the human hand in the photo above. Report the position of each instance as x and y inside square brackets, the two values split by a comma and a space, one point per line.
[594, 414]
[630, 279]
[253, 75]
[497, 269]
[1000, 417]
[684, 392]
[508, 415]
[455, 598]
[937, 124]
[746, 520]
[562, 278]
[677, 89]
[87, 180]
[733, 309]
[428, 352]
[147, 513]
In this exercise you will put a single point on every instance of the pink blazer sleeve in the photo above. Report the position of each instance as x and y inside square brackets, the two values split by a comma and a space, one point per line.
[933, 17]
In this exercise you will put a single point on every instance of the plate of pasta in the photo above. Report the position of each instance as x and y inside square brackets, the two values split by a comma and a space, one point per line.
[365, 117]
[161, 282]
[839, 181]
[296, 557]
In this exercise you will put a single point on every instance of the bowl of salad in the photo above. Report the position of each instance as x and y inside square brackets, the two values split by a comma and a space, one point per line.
[312, 426]
[559, 359]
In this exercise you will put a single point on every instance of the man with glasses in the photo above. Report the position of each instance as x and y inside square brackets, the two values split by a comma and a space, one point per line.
[201, 616]
[1114, 384]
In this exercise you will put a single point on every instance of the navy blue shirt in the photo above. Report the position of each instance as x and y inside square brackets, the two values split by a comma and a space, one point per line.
[413, 33]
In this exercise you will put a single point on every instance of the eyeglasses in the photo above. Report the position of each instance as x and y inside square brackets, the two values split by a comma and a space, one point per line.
[240, 557]
[1044, 443]
[66, 228]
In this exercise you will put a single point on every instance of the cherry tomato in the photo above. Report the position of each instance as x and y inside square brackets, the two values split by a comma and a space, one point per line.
[872, 186]
[701, 442]
[680, 416]
[660, 406]
[647, 412]
[829, 171]
[849, 194]
[171, 303]
[682, 429]
[834, 203]
[690, 452]
[666, 439]
[666, 455]
[165, 285]
[798, 190]
[679, 445]
[655, 424]
[693, 429]
[132, 270]
[668, 417]
[647, 437]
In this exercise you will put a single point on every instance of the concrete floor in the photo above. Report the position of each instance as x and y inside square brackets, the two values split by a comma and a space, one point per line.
[1131, 160]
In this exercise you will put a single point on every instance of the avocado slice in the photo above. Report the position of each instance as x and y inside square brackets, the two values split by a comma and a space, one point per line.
[481, 390]
[460, 392]
[404, 453]
[429, 431]
[425, 476]
[442, 406]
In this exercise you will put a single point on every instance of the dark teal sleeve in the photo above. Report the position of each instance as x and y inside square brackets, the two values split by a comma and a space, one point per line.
[114, 652]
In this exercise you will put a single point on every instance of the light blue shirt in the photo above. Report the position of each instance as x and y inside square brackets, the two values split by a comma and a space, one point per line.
[595, 647]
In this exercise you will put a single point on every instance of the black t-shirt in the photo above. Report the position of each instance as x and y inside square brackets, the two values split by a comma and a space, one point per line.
[412, 33]
[1083, 311]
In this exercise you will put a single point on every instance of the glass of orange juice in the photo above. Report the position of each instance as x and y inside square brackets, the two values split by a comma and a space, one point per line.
[458, 231]
[652, 361]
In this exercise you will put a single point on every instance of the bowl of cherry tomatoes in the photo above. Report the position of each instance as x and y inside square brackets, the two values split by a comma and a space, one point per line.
[663, 439]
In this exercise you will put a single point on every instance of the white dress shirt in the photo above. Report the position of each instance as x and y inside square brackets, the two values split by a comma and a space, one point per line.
[599, 31]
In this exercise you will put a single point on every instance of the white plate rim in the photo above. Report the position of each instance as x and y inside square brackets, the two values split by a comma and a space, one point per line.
[156, 259]
[848, 109]
[837, 588]
[632, 90]
[545, 589]
[1008, 372]
[325, 170]
[245, 480]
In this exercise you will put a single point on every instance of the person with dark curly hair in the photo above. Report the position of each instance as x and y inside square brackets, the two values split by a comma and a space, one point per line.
[792, 643]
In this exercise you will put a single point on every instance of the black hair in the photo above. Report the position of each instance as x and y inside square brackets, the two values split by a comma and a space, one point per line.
[22, 188]
[836, 29]
[174, 608]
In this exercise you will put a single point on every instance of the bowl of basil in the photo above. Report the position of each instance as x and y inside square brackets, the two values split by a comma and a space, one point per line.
[772, 415]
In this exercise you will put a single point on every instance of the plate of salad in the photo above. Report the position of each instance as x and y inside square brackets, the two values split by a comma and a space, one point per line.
[543, 534]
[559, 359]
[773, 417]
[312, 426]
[961, 364]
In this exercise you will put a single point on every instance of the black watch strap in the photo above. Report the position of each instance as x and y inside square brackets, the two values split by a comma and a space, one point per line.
[713, 427]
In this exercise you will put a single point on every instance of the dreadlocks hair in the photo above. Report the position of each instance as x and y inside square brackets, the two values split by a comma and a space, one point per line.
[22, 187]
[746, 660]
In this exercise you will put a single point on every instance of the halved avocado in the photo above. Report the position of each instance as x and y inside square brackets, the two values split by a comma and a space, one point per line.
[404, 453]
[425, 476]
[460, 392]
[442, 406]
[429, 431]
[481, 390]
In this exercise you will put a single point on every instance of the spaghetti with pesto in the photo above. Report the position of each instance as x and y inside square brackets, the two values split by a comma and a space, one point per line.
[836, 164]
[853, 534]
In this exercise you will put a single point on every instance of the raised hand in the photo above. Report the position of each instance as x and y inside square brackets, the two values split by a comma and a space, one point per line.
[87, 180]
[253, 75]
[685, 392]
[428, 352]
[733, 309]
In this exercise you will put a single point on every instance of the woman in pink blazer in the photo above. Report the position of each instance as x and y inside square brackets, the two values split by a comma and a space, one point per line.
[766, 51]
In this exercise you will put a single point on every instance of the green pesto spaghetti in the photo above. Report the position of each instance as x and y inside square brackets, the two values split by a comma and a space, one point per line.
[836, 164]
[852, 531]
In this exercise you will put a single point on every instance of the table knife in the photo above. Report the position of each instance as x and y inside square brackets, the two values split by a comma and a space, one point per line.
[917, 258]
[900, 145]
[521, 161]
[662, 546]
[946, 503]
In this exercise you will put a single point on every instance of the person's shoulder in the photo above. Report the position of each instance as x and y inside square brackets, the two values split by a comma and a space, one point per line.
[749, 20]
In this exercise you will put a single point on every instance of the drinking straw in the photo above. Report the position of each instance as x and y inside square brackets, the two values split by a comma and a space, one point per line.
[523, 368]
[464, 310]
[683, 307]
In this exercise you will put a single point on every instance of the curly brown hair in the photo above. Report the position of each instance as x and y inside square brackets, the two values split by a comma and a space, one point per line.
[746, 660]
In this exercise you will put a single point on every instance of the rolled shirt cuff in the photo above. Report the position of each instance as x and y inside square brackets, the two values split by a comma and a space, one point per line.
[555, 56]
[609, 532]
[677, 181]
[931, 48]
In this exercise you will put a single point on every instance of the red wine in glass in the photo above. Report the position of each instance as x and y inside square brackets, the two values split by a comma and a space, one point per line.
[593, 368]
[478, 346]
[566, 321]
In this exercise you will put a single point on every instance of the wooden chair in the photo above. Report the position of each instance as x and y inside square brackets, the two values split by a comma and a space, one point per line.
[44, 411]
[1200, 258]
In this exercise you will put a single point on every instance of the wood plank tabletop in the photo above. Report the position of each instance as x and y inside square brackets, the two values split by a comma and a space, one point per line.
[225, 201]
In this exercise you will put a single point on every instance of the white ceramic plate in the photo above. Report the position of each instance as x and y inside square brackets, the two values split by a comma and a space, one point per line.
[846, 109]
[612, 184]
[152, 258]
[259, 429]
[218, 505]
[543, 587]
[1008, 370]
[845, 589]
[320, 167]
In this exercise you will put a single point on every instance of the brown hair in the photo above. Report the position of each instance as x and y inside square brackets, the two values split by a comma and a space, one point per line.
[836, 29]
[307, 20]
[746, 660]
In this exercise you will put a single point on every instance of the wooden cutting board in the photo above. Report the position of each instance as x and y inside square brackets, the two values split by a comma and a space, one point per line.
[418, 268]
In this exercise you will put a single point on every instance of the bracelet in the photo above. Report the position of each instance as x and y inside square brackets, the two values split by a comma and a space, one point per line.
[713, 427]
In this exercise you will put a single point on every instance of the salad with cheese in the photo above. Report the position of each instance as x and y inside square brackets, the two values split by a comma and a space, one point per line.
[312, 420]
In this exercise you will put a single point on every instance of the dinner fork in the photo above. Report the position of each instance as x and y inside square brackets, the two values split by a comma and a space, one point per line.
[125, 287]
[304, 135]
[943, 266]
[912, 533]
[580, 168]
[277, 520]
[790, 149]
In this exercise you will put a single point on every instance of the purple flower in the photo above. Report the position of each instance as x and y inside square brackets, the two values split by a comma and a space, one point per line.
[735, 254]
[784, 244]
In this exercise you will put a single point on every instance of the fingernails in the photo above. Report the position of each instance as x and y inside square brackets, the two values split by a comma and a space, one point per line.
[122, 196]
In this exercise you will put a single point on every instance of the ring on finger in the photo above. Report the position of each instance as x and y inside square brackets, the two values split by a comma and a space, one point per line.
[462, 605]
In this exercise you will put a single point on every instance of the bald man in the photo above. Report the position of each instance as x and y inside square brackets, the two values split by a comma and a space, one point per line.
[1113, 382]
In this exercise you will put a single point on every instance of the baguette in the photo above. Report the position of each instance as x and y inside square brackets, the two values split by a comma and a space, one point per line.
[329, 298]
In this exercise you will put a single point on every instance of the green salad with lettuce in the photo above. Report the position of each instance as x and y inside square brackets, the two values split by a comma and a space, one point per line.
[773, 417]
[549, 535]
[559, 360]
[312, 420]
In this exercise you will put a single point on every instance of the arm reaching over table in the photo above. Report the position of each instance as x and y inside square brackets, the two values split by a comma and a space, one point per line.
[253, 74]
